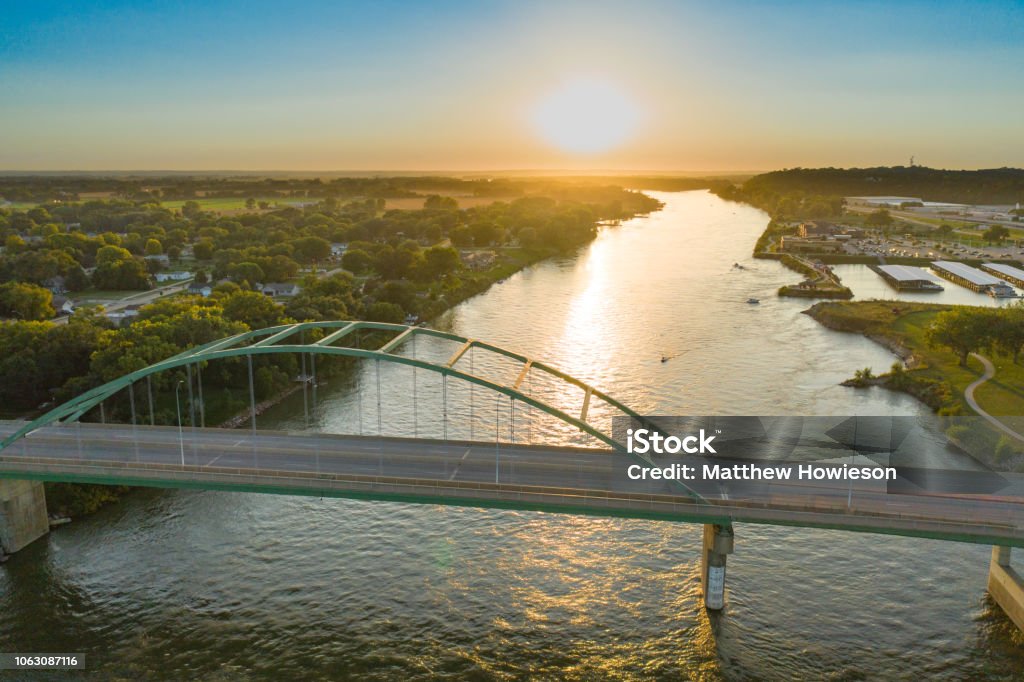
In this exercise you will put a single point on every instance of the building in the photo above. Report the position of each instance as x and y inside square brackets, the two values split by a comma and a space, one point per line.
[1014, 276]
[280, 289]
[62, 305]
[123, 317]
[908, 278]
[807, 245]
[338, 249]
[816, 228]
[162, 259]
[180, 276]
[973, 278]
[203, 290]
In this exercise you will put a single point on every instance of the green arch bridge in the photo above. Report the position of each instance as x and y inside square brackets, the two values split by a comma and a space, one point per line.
[497, 473]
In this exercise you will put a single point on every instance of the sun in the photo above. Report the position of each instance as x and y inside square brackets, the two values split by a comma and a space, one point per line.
[586, 116]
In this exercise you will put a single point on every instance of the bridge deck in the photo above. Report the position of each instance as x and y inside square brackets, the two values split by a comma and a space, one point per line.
[475, 474]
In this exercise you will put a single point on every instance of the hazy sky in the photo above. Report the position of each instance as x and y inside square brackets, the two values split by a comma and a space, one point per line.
[459, 85]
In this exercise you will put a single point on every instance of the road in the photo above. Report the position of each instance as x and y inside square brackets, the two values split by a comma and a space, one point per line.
[523, 477]
[138, 298]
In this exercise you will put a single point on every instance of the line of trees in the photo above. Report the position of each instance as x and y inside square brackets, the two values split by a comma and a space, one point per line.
[966, 330]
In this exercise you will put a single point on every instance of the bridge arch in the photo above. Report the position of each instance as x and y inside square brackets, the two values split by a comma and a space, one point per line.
[274, 340]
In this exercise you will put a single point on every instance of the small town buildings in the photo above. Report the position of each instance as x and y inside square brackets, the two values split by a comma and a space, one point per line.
[124, 316]
[790, 244]
[203, 290]
[280, 289]
[62, 305]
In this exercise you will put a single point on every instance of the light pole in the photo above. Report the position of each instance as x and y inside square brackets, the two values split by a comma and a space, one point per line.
[181, 433]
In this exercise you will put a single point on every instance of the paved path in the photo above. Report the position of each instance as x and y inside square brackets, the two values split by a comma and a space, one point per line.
[990, 371]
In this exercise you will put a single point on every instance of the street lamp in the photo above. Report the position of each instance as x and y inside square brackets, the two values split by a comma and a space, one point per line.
[181, 433]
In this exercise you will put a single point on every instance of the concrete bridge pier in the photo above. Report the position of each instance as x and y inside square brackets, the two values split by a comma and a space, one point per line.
[718, 543]
[22, 514]
[1006, 585]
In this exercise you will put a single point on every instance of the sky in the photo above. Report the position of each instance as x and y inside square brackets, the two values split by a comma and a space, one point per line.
[486, 85]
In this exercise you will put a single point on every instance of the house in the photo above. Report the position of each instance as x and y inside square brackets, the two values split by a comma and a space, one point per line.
[62, 305]
[338, 249]
[203, 290]
[173, 276]
[280, 289]
[56, 284]
[162, 259]
[123, 317]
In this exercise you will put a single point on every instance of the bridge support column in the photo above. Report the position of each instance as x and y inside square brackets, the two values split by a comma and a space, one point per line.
[1006, 585]
[22, 514]
[718, 543]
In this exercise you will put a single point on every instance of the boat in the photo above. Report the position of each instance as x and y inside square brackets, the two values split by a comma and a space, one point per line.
[664, 358]
[1001, 291]
[753, 301]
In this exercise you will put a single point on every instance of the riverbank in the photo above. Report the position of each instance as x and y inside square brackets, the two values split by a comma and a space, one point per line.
[932, 375]
[228, 407]
[821, 281]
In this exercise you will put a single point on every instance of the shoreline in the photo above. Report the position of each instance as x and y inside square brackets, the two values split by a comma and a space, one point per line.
[99, 496]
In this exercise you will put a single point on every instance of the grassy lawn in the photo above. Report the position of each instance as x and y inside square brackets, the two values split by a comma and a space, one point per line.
[103, 295]
[906, 324]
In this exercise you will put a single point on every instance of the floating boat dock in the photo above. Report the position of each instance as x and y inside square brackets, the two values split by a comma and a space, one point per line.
[972, 278]
[907, 278]
[1014, 276]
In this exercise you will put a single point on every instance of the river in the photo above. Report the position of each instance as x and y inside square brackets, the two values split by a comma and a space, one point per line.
[189, 584]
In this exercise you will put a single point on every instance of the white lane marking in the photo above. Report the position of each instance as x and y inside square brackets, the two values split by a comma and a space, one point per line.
[456, 469]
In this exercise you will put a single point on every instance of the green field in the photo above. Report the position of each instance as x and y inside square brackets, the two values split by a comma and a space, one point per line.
[905, 324]
[223, 204]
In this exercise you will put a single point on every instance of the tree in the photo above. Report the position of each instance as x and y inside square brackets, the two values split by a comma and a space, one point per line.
[310, 249]
[117, 269]
[395, 263]
[995, 233]
[484, 234]
[76, 280]
[439, 261]
[1008, 331]
[25, 301]
[14, 244]
[247, 272]
[250, 203]
[962, 330]
[254, 309]
[154, 247]
[527, 237]
[879, 218]
[437, 202]
[357, 261]
[945, 229]
[203, 249]
[382, 311]
[191, 209]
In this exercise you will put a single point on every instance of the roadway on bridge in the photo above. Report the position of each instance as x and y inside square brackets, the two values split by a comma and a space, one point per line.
[485, 472]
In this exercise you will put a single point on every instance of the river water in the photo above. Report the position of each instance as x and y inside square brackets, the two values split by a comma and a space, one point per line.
[214, 585]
